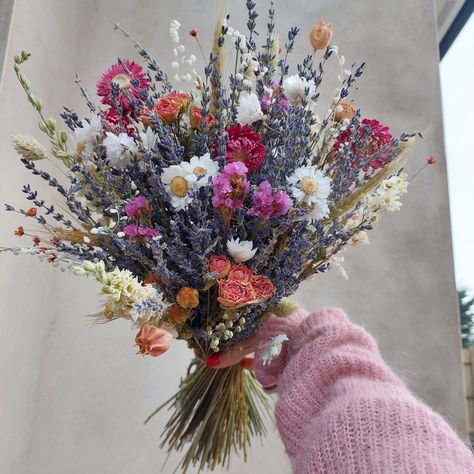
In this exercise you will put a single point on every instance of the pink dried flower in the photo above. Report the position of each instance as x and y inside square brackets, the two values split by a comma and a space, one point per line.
[134, 207]
[122, 73]
[431, 160]
[266, 204]
[244, 146]
[231, 186]
[138, 231]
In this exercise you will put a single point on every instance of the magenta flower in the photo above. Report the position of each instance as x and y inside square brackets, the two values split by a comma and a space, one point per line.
[266, 204]
[371, 138]
[270, 97]
[231, 186]
[134, 207]
[137, 231]
[244, 146]
[122, 73]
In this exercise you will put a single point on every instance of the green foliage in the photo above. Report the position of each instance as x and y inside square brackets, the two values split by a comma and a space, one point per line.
[466, 310]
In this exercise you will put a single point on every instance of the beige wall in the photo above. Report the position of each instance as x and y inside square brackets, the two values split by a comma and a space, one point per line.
[73, 396]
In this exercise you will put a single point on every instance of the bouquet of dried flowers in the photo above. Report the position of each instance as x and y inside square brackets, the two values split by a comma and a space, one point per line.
[199, 202]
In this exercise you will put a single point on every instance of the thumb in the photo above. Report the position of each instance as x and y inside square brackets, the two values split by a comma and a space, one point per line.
[231, 356]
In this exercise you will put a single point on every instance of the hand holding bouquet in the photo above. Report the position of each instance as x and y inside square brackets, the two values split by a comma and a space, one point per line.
[199, 202]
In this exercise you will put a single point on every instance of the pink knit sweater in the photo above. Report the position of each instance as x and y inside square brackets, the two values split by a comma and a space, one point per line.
[340, 408]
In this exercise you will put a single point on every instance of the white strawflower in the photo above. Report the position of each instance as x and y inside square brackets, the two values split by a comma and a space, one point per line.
[389, 201]
[241, 251]
[359, 238]
[248, 110]
[119, 148]
[148, 138]
[203, 167]
[85, 137]
[179, 183]
[295, 87]
[336, 262]
[273, 348]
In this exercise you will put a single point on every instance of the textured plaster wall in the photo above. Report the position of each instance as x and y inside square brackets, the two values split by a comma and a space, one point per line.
[73, 396]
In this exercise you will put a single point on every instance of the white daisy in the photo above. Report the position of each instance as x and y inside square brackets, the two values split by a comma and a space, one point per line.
[85, 137]
[203, 167]
[272, 348]
[241, 251]
[248, 110]
[148, 138]
[119, 149]
[178, 183]
[295, 88]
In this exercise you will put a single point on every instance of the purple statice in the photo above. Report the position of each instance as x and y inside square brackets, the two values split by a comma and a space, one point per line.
[267, 204]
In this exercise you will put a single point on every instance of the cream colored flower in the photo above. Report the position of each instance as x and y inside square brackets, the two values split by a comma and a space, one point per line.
[249, 109]
[241, 251]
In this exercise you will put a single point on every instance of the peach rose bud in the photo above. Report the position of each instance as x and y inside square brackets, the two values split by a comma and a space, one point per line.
[188, 298]
[240, 273]
[153, 341]
[176, 314]
[344, 111]
[220, 265]
[320, 35]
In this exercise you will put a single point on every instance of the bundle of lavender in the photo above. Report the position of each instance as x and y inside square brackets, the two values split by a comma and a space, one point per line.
[199, 203]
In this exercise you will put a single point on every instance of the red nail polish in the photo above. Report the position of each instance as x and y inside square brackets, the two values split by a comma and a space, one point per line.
[213, 360]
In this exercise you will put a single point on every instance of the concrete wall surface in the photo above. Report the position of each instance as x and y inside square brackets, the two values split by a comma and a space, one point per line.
[73, 396]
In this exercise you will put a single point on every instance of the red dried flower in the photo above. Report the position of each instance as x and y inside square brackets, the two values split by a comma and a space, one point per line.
[431, 160]
[31, 212]
[244, 145]
[193, 32]
[20, 231]
[36, 241]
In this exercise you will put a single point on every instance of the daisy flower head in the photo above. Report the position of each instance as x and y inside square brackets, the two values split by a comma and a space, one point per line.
[179, 183]
[295, 88]
[119, 149]
[310, 186]
[241, 251]
[273, 348]
[249, 109]
[129, 79]
[204, 168]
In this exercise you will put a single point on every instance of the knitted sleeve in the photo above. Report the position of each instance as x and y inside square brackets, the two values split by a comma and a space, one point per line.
[340, 409]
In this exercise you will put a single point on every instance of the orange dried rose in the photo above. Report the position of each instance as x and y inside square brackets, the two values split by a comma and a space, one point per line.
[233, 294]
[188, 298]
[171, 106]
[220, 265]
[240, 273]
[195, 118]
[153, 341]
[176, 314]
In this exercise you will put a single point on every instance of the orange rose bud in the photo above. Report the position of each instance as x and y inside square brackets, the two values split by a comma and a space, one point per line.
[188, 298]
[233, 294]
[320, 35]
[153, 341]
[195, 118]
[176, 314]
[344, 111]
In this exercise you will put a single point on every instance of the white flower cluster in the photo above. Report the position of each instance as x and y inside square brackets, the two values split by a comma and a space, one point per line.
[121, 285]
[273, 348]
[85, 137]
[180, 58]
[387, 196]
[119, 148]
[249, 109]
[180, 180]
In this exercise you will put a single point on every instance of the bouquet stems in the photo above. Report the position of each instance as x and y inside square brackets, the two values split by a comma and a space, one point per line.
[215, 411]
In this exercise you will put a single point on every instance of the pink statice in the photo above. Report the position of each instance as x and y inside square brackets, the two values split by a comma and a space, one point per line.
[122, 73]
[231, 186]
[134, 207]
[137, 231]
[375, 139]
[243, 145]
[266, 204]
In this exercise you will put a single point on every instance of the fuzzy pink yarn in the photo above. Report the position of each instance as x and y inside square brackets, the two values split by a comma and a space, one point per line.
[341, 409]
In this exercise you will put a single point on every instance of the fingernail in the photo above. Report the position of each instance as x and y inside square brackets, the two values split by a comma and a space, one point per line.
[213, 360]
[247, 363]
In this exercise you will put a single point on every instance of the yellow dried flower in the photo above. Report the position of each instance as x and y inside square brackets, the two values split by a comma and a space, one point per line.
[29, 148]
